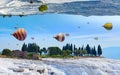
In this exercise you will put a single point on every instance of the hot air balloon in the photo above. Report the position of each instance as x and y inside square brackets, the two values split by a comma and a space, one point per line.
[16, 27]
[8, 43]
[43, 8]
[20, 34]
[31, 1]
[88, 23]
[32, 38]
[108, 26]
[96, 38]
[17, 44]
[67, 34]
[43, 39]
[78, 26]
[60, 37]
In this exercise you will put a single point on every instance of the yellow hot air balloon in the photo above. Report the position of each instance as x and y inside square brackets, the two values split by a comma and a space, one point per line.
[108, 26]
[43, 8]
[20, 34]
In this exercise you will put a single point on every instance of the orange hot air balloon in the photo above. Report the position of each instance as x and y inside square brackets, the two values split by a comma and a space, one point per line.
[60, 37]
[20, 34]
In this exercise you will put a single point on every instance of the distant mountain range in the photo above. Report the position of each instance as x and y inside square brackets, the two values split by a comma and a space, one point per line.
[112, 52]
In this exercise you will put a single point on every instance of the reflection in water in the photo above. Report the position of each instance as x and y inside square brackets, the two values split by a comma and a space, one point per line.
[82, 30]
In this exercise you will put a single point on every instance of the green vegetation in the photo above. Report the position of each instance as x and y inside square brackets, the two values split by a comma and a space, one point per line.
[67, 51]
[31, 47]
[7, 52]
[54, 51]
[99, 50]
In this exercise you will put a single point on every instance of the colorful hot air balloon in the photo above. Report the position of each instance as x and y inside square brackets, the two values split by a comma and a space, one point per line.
[88, 22]
[96, 38]
[32, 38]
[78, 26]
[16, 27]
[67, 34]
[60, 37]
[20, 34]
[108, 26]
[31, 1]
[17, 44]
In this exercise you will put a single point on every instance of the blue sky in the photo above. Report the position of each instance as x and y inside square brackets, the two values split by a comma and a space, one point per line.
[44, 27]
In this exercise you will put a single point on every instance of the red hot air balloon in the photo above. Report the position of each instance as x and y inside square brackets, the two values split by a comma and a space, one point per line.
[60, 37]
[20, 34]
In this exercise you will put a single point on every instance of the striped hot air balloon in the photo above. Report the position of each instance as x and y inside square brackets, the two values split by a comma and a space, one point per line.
[60, 37]
[20, 34]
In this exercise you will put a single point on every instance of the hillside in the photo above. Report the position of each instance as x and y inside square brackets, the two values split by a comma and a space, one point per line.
[49, 66]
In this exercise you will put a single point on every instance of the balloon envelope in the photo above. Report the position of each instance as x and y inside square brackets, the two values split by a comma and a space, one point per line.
[60, 37]
[32, 38]
[20, 34]
[108, 26]
[96, 38]
[43, 8]
[67, 34]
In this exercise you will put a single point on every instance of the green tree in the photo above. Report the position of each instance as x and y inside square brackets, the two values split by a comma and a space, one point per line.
[7, 52]
[88, 49]
[63, 48]
[71, 47]
[99, 50]
[52, 51]
[24, 47]
[94, 51]
[33, 47]
[66, 53]
[82, 47]
[75, 47]
[36, 48]
[84, 52]
[44, 50]
[77, 52]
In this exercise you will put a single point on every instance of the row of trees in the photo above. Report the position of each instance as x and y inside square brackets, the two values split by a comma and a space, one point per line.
[80, 51]
[31, 47]
[67, 50]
